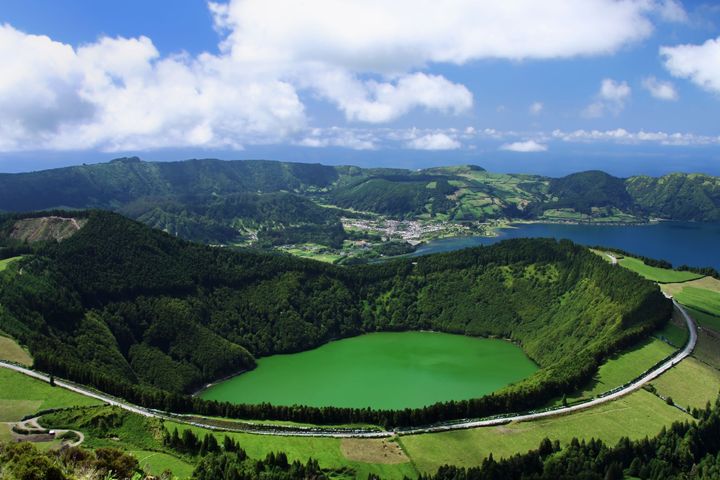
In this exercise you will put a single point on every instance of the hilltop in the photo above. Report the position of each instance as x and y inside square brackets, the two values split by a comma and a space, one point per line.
[268, 204]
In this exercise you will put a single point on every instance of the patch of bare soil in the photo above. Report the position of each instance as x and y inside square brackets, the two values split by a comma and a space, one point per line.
[373, 450]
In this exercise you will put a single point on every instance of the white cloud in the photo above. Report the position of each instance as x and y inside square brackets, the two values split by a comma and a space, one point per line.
[613, 91]
[620, 135]
[611, 98]
[672, 11]
[434, 141]
[528, 146]
[367, 57]
[381, 36]
[339, 137]
[536, 108]
[698, 63]
[660, 89]
[379, 102]
[118, 94]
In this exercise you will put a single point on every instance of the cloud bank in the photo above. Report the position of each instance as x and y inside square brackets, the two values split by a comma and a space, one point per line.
[368, 58]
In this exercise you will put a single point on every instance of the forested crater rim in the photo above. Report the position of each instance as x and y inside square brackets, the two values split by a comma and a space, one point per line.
[149, 317]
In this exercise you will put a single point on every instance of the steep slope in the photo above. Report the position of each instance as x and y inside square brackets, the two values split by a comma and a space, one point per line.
[110, 185]
[584, 190]
[119, 304]
[677, 196]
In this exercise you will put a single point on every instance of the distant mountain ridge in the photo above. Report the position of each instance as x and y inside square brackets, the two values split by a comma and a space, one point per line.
[216, 201]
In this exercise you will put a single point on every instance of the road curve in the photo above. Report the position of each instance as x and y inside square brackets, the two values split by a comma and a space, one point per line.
[347, 433]
[648, 377]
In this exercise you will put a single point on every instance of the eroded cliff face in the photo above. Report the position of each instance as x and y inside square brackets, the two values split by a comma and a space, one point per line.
[44, 229]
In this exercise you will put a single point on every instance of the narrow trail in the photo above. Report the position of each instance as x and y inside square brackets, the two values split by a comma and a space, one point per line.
[359, 433]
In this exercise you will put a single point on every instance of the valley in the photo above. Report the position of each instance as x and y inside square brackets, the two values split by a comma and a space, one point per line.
[342, 361]
[352, 215]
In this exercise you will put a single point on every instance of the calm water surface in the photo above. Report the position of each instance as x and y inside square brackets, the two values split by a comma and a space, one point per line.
[381, 370]
[695, 244]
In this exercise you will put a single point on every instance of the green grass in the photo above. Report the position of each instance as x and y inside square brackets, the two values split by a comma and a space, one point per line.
[155, 463]
[21, 395]
[690, 383]
[5, 435]
[705, 319]
[10, 350]
[700, 299]
[623, 368]
[327, 451]
[4, 263]
[674, 334]
[708, 348]
[661, 275]
[635, 416]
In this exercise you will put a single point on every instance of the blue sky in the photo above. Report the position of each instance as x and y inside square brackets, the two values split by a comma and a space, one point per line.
[628, 86]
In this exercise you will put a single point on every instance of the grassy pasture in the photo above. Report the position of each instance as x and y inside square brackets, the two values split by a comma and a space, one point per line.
[674, 333]
[700, 299]
[623, 367]
[660, 275]
[11, 351]
[155, 463]
[690, 383]
[327, 451]
[636, 415]
[4, 263]
[21, 395]
[705, 319]
[708, 348]
[706, 283]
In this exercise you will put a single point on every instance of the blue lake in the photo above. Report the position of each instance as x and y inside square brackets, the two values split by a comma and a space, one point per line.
[695, 244]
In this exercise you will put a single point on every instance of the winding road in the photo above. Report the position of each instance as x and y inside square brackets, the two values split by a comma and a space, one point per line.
[349, 433]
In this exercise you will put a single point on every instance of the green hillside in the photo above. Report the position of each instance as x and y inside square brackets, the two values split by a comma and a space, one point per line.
[587, 190]
[677, 196]
[267, 203]
[147, 316]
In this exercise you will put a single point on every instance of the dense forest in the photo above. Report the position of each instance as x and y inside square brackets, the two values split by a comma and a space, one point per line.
[222, 202]
[150, 317]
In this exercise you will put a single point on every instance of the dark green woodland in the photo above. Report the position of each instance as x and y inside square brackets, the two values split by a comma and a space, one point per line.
[142, 314]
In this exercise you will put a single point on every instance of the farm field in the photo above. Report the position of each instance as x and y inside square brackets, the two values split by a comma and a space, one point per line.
[624, 368]
[708, 347]
[675, 332]
[690, 383]
[12, 352]
[21, 395]
[660, 275]
[636, 415]
[700, 299]
[705, 319]
[330, 452]
[705, 283]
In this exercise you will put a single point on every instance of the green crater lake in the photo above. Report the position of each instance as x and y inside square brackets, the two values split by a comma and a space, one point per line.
[381, 370]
